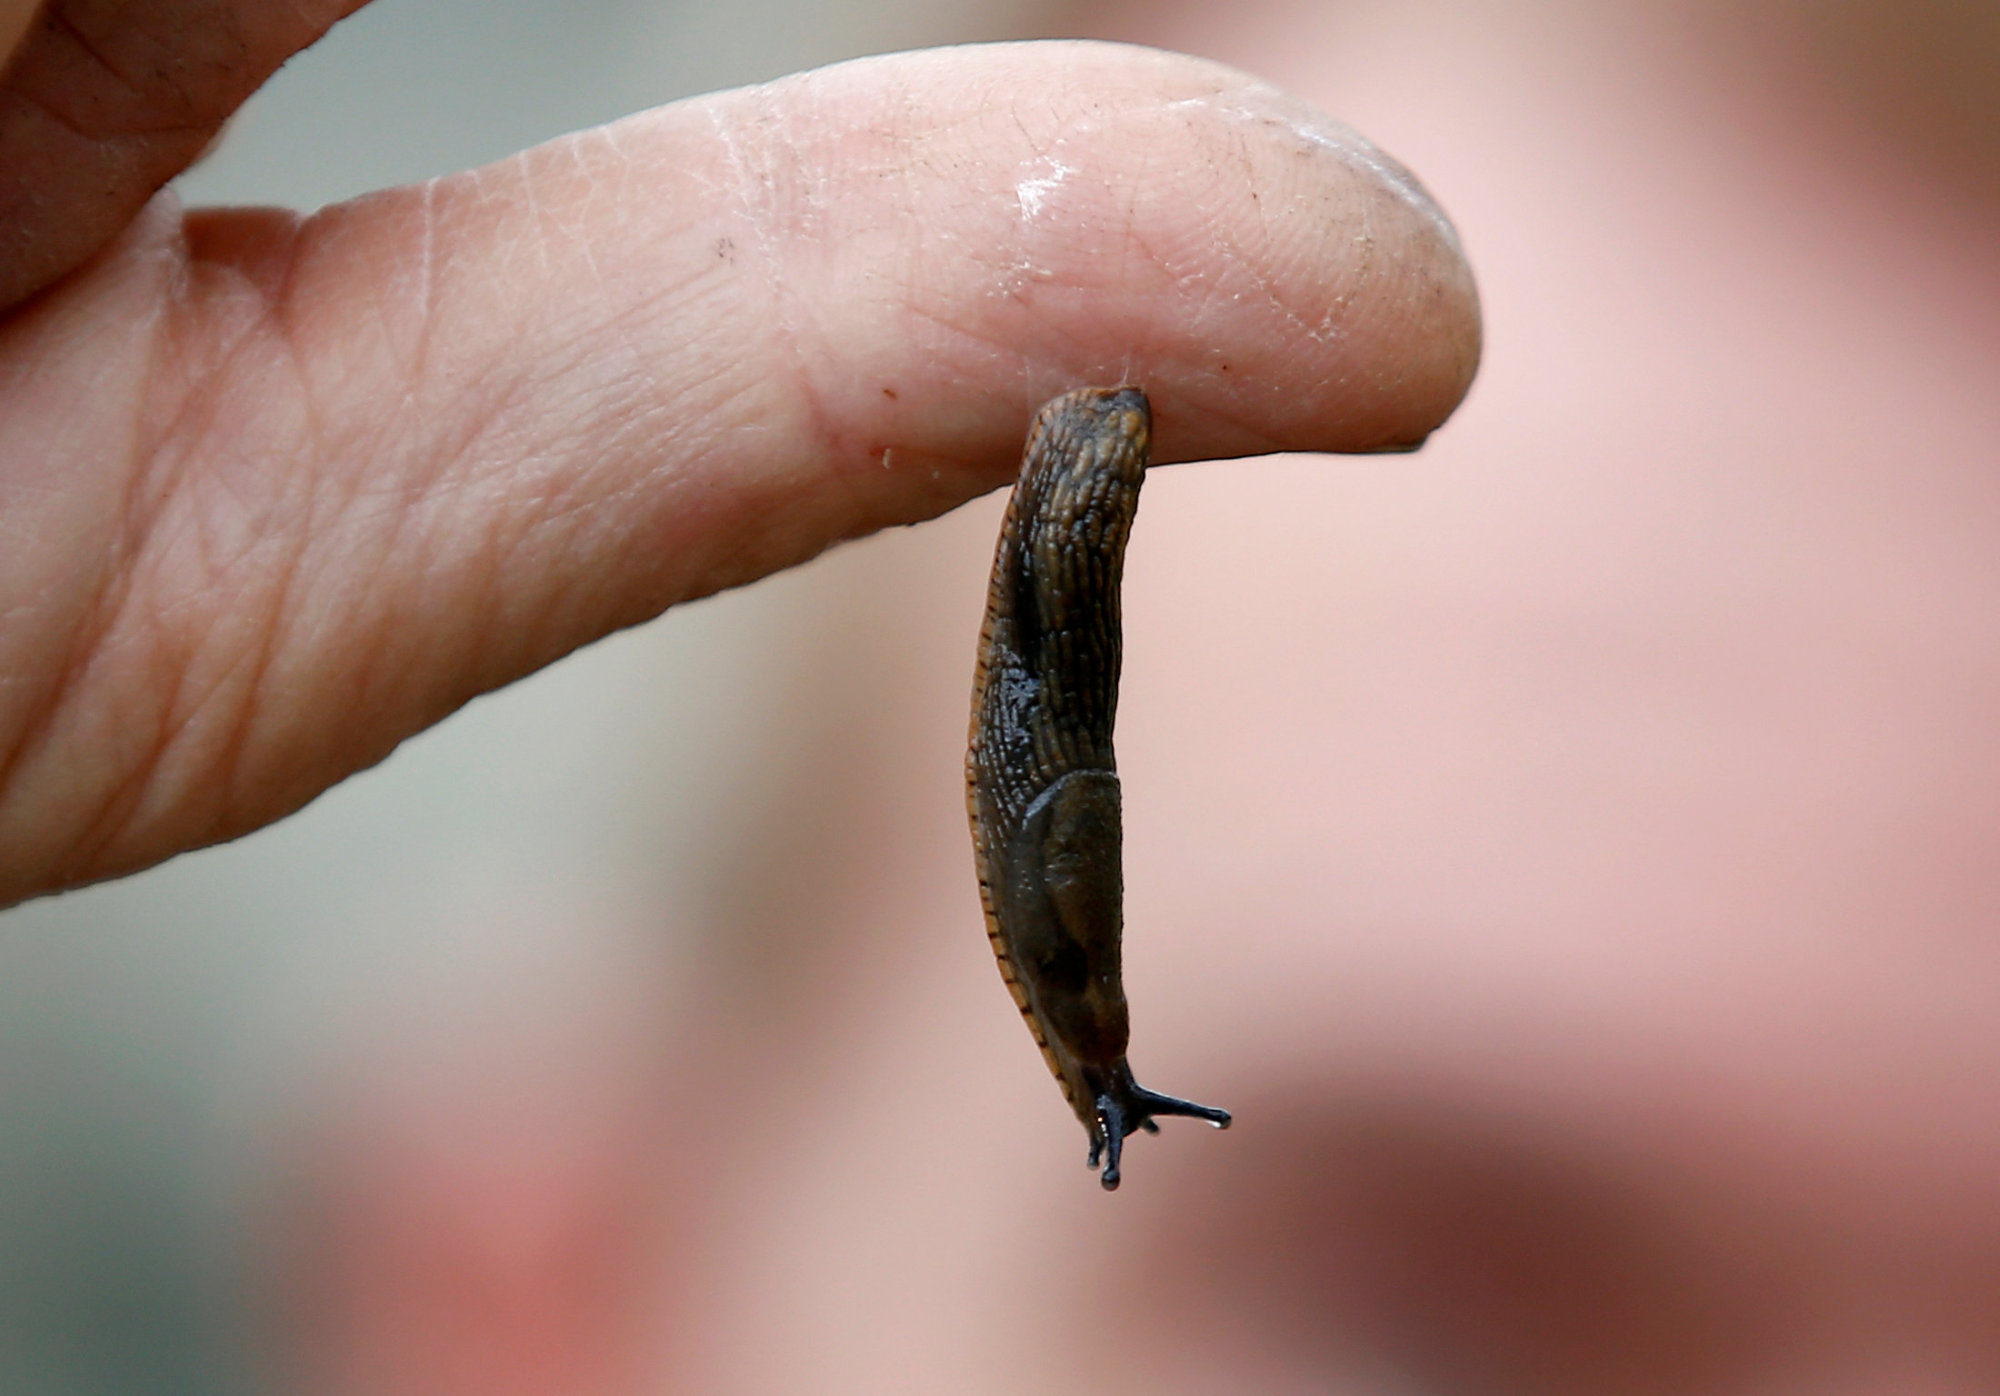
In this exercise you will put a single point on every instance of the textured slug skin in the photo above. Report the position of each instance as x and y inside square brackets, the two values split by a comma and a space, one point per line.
[1041, 778]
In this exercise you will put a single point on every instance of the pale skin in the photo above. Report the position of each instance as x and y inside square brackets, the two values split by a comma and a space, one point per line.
[282, 491]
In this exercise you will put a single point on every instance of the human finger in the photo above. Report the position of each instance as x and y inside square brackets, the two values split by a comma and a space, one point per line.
[413, 447]
[102, 103]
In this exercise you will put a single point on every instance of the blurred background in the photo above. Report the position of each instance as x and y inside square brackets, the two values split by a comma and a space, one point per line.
[1570, 850]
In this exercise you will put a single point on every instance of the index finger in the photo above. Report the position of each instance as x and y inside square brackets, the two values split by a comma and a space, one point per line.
[833, 301]
[390, 456]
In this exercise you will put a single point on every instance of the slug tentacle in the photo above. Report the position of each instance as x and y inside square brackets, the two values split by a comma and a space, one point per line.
[1041, 775]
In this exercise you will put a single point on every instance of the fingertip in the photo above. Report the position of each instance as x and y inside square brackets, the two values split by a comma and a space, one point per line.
[1071, 213]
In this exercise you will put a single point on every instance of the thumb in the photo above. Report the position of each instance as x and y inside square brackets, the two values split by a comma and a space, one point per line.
[104, 101]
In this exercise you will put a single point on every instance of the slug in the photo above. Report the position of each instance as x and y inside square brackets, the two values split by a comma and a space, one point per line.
[1041, 779]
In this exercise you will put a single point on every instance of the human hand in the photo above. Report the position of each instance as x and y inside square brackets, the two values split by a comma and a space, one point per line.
[281, 491]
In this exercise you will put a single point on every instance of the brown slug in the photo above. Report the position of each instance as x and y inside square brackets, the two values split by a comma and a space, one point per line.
[1041, 779]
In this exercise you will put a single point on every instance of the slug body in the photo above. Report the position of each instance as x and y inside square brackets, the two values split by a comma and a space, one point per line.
[1042, 781]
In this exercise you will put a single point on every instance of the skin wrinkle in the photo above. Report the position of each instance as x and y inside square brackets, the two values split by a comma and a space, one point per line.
[566, 502]
[416, 378]
[1247, 164]
[365, 654]
[428, 469]
[1044, 217]
[380, 643]
[584, 351]
[624, 316]
[1363, 266]
[169, 75]
[1344, 143]
[182, 718]
[55, 18]
[789, 315]
[1133, 240]
[34, 731]
[933, 315]
[142, 92]
[653, 426]
[270, 640]
[278, 326]
[114, 809]
[415, 366]
[1352, 151]
[39, 105]
[411, 358]
[573, 153]
[752, 202]
[111, 596]
[538, 235]
[1328, 324]
[36, 721]
[164, 471]
[173, 653]
[191, 719]
[1207, 294]
[571, 500]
